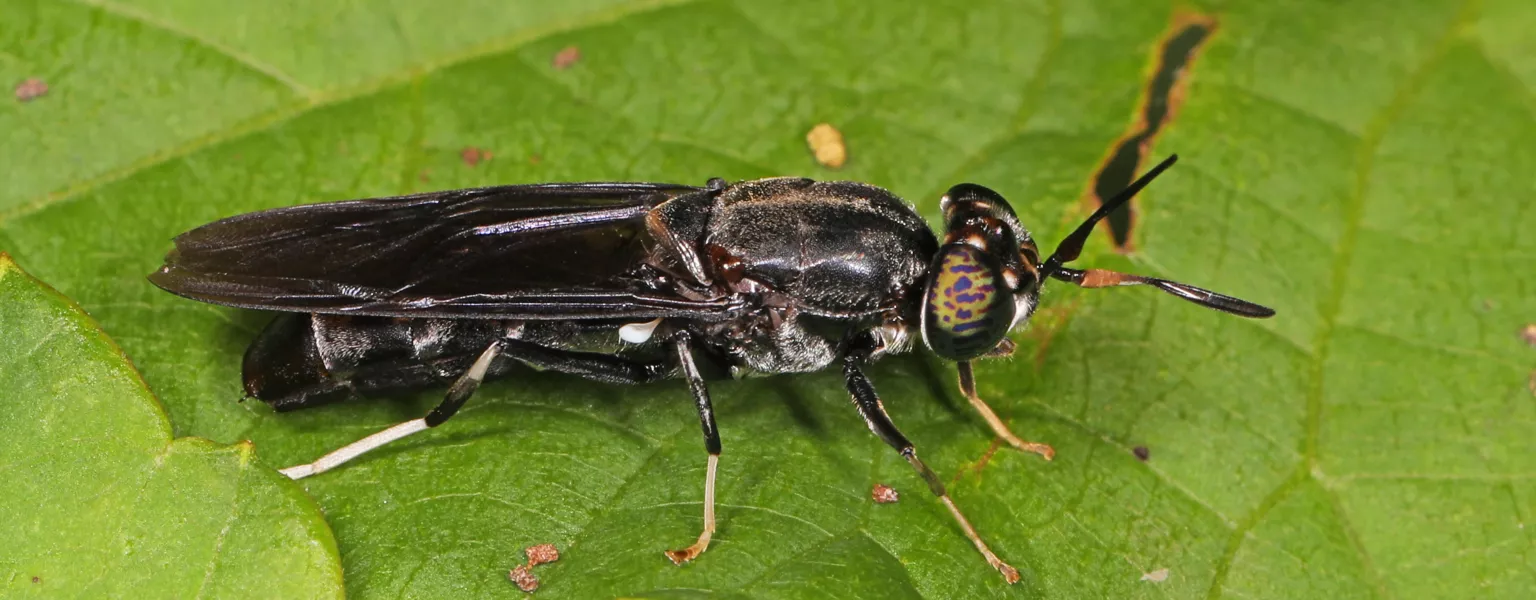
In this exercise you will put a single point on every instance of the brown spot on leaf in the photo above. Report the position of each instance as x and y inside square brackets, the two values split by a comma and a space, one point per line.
[36, 579]
[541, 554]
[884, 494]
[1142, 453]
[473, 156]
[566, 57]
[30, 89]
[524, 578]
[534, 159]
[1165, 91]
[826, 143]
[424, 175]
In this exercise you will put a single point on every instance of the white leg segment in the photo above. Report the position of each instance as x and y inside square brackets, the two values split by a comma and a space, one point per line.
[968, 387]
[698, 547]
[355, 449]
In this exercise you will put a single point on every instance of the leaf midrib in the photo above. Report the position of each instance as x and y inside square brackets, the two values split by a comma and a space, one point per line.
[1309, 469]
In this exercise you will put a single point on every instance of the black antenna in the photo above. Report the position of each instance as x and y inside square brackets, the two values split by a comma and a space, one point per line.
[1097, 278]
[1070, 247]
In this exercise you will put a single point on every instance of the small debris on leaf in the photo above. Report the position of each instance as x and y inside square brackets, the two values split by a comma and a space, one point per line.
[36, 579]
[883, 494]
[524, 578]
[473, 156]
[1155, 576]
[1142, 453]
[542, 553]
[1529, 334]
[31, 88]
[566, 57]
[826, 143]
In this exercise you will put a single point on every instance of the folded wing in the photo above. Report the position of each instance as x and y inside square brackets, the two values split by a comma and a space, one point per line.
[549, 251]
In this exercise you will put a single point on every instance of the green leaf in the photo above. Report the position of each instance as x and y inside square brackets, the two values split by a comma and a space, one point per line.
[1361, 167]
[101, 502]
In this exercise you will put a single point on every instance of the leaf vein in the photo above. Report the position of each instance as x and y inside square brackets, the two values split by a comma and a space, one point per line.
[229, 522]
[247, 61]
[312, 102]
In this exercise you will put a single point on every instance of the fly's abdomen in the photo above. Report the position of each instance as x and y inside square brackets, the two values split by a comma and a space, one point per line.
[306, 360]
[282, 367]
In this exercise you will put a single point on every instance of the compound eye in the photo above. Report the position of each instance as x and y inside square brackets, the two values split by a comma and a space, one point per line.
[967, 308]
[968, 201]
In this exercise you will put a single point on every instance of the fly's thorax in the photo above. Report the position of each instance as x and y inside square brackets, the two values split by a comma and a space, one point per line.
[812, 262]
[778, 340]
[831, 248]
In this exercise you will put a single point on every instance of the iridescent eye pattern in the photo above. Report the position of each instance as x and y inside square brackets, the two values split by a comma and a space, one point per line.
[968, 309]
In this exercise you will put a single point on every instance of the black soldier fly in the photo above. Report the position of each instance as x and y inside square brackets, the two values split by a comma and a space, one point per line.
[632, 283]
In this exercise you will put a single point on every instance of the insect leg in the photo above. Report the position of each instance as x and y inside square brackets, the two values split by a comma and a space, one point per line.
[458, 394]
[868, 403]
[587, 365]
[711, 444]
[968, 387]
[599, 367]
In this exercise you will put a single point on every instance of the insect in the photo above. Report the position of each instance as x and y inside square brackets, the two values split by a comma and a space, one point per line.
[632, 283]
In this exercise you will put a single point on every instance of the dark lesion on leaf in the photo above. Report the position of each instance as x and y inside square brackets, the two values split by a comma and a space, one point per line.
[980, 464]
[1160, 102]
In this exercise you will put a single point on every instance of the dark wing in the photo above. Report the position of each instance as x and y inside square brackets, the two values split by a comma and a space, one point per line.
[549, 251]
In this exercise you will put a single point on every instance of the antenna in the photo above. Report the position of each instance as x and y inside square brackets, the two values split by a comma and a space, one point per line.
[1072, 246]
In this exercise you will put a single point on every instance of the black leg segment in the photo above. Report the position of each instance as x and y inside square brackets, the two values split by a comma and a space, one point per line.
[464, 386]
[587, 365]
[690, 372]
[868, 403]
[605, 368]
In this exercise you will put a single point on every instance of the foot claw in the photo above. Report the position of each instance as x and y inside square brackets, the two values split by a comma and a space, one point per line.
[682, 556]
[1044, 450]
[1010, 574]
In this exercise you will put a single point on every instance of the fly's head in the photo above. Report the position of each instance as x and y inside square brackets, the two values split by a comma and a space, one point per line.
[984, 279]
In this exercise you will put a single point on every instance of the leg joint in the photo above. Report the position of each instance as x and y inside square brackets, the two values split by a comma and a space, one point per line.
[934, 485]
